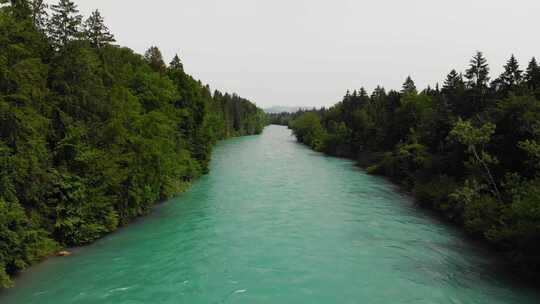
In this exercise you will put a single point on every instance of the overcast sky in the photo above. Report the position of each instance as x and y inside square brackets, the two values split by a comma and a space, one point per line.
[308, 53]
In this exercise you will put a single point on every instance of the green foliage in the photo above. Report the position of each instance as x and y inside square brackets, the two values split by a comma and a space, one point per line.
[308, 129]
[39, 13]
[64, 24]
[478, 72]
[402, 163]
[96, 31]
[520, 223]
[473, 138]
[435, 193]
[532, 147]
[470, 150]
[93, 135]
[512, 76]
[155, 59]
[532, 75]
[22, 242]
[408, 86]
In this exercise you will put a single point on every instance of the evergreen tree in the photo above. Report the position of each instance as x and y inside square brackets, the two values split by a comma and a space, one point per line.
[478, 72]
[512, 75]
[65, 23]
[453, 94]
[155, 59]
[91, 139]
[362, 93]
[429, 90]
[408, 86]
[39, 14]
[96, 31]
[532, 75]
[176, 63]
[378, 92]
[467, 152]
[453, 82]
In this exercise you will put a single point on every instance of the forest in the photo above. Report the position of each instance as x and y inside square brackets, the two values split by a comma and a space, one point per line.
[284, 118]
[469, 149]
[92, 134]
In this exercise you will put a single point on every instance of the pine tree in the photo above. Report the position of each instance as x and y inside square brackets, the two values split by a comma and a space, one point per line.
[532, 75]
[362, 93]
[452, 91]
[512, 75]
[478, 72]
[155, 59]
[453, 82]
[65, 23]
[96, 31]
[408, 86]
[39, 14]
[347, 96]
[378, 92]
[176, 63]
[429, 90]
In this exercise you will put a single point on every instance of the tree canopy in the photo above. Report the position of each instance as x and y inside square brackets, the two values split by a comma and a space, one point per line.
[92, 135]
[469, 150]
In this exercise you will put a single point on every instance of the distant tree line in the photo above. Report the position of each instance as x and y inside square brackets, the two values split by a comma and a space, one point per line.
[469, 148]
[92, 135]
[284, 118]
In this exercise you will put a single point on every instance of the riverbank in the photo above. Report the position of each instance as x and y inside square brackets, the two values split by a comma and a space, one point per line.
[325, 232]
[92, 134]
[58, 251]
[435, 196]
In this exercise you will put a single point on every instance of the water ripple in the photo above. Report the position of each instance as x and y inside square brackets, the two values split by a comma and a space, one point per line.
[275, 222]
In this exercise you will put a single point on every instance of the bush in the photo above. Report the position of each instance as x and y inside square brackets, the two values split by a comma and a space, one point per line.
[435, 193]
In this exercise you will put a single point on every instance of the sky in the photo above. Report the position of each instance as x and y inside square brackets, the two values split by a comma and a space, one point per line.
[308, 53]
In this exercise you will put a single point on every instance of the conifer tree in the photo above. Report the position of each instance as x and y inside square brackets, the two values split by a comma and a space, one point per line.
[378, 92]
[478, 72]
[96, 31]
[79, 155]
[408, 86]
[532, 75]
[362, 93]
[453, 82]
[512, 75]
[429, 90]
[39, 14]
[155, 59]
[176, 63]
[65, 23]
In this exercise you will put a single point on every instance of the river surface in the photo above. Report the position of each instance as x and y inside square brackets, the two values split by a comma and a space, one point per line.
[275, 222]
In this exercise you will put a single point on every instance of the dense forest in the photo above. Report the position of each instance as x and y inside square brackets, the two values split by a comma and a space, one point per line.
[92, 135]
[284, 118]
[469, 148]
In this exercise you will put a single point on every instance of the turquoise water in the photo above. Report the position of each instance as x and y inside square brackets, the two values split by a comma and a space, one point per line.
[277, 223]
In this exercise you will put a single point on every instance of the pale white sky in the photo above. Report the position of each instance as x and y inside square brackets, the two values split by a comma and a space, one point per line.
[308, 53]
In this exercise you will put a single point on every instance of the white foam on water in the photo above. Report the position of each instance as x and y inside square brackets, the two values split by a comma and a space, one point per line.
[119, 289]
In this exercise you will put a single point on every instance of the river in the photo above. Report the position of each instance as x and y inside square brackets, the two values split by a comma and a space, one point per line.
[275, 222]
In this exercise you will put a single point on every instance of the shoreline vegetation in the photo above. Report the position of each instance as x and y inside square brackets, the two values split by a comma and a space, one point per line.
[93, 135]
[469, 149]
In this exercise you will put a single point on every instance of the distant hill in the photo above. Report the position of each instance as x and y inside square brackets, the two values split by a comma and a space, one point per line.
[280, 109]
